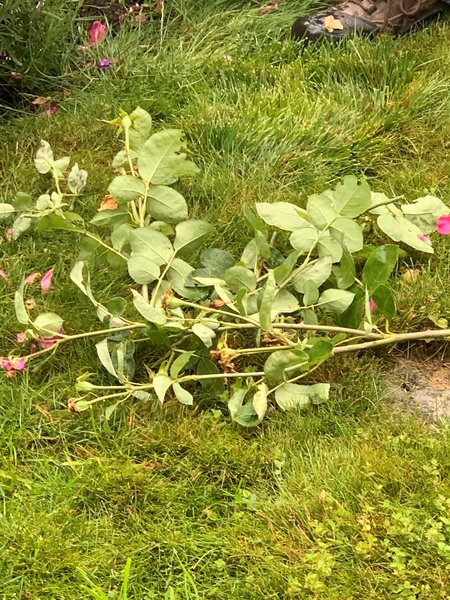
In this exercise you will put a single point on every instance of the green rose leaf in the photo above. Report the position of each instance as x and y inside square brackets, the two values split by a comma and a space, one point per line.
[283, 215]
[178, 275]
[349, 232]
[126, 188]
[240, 277]
[141, 126]
[189, 235]
[166, 204]
[268, 295]
[182, 395]
[61, 165]
[400, 229]
[331, 247]
[152, 244]
[384, 300]
[161, 383]
[48, 324]
[321, 211]
[310, 293]
[149, 312]
[116, 306]
[424, 212]
[379, 266]
[206, 334]
[20, 226]
[291, 395]
[252, 412]
[284, 302]
[44, 158]
[80, 276]
[304, 240]
[351, 198]
[317, 272]
[105, 357]
[121, 235]
[345, 272]
[160, 160]
[76, 180]
[179, 363]
[66, 222]
[142, 269]
[285, 269]
[282, 364]
[6, 210]
[19, 305]
[335, 301]
[22, 201]
[320, 350]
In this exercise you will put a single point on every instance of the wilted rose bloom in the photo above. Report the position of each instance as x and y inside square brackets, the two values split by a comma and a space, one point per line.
[21, 337]
[30, 303]
[46, 281]
[97, 32]
[108, 203]
[32, 278]
[13, 364]
[51, 110]
[104, 64]
[443, 225]
[45, 343]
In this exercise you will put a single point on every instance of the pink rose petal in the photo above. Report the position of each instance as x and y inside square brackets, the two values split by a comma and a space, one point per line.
[424, 238]
[372, 305]
[51, 110]
[21, 337]
[6, 364]
[4, 276]
[19, 364]
[46, 281]
[443, 225]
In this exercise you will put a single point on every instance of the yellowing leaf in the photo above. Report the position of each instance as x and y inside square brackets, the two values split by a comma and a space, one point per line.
[331, 24]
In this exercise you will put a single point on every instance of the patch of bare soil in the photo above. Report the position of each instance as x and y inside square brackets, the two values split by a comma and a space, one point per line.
[422, 387]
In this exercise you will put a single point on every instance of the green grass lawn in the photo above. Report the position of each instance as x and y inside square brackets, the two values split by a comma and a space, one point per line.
[349, 501]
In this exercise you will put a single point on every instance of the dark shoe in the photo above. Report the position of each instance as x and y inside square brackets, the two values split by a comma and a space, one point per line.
[366, 17]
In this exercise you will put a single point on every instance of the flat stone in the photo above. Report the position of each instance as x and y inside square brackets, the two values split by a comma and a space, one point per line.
[422, 388]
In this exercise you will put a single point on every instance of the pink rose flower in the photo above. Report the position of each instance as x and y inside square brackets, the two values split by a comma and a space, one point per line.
[443, 225]
[372, 305]
[97, 32]
[21, 337]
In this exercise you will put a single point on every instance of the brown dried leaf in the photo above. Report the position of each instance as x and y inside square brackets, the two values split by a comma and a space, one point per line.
[267, 10]
[40, 101]
[331, 24]
[108, 203]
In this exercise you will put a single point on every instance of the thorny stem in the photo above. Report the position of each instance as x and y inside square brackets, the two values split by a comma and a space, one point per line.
[395, 338]
[101, 242]
[160, 280]
[303, 326]
[250, 321]
[297, 378]
[67, 338]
